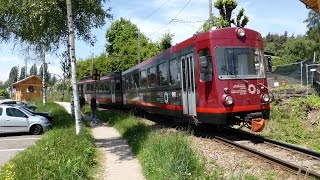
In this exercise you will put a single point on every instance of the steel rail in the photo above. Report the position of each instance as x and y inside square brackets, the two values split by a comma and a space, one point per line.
[270, 158]
[288, 146]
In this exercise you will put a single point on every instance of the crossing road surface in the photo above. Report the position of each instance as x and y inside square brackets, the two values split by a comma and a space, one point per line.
[11, 144]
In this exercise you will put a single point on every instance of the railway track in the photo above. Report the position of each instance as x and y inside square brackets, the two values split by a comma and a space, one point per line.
[298, 160]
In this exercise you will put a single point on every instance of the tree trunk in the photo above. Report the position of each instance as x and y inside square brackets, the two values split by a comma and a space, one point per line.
[73, 68]
[43, 57]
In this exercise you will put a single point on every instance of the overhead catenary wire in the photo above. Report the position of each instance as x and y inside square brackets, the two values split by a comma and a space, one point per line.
[156, 10]
[172, 18]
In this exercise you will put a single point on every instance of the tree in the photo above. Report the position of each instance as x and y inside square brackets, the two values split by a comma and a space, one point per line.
[33, 70]
[297, 49]
[313, 24]
[22, 73]
[166, 41]
[313, 20]
[13, 76]
[52, 80]
[43, 24]
[274, 42]
[47, 75]
[225, 8]
[122, 44]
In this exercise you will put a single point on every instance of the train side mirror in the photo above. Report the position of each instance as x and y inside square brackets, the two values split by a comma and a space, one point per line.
[203, 61]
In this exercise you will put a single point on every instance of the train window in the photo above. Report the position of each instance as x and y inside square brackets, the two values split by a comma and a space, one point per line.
[101, 87]
[108, 86]
[174, 72]
[151, 77]
[205, 62]
[131, 82]
[235, 63]
[127, 83]
[143, 76]
[162, 74]
[118, 85]
[136, 80]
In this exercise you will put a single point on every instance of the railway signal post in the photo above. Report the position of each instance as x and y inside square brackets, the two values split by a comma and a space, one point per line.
[95, 77]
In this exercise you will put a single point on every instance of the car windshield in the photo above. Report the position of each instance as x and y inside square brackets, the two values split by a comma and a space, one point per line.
[239, 63]
[27, 112]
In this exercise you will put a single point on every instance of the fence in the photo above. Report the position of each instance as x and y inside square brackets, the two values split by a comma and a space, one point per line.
[296, 79]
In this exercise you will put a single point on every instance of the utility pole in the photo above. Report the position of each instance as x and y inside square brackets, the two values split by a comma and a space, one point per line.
[210, 14]
[72, 56]
[26, 70]
[139, 46]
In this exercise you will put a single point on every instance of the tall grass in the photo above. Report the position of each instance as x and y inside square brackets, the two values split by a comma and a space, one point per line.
[59, 154]
[289, 122]
[163, 155]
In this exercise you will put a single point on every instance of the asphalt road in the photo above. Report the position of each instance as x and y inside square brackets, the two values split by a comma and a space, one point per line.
[12, 144]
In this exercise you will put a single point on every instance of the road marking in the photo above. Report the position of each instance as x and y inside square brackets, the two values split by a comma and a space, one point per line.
[4, 150]
[19, 139]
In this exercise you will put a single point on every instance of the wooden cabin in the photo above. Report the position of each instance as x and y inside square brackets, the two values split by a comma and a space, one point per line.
[29, 88]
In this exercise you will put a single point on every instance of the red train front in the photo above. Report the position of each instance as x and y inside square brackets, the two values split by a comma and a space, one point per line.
[230, 79]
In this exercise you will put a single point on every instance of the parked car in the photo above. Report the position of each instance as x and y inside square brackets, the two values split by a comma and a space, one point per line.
[47, 115]
[20, 103]
[17, 119]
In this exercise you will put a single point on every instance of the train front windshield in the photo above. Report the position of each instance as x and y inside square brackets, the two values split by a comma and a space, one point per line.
[240, 63]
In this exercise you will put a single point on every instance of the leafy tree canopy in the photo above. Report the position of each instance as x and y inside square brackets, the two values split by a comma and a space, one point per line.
[22, 73]
[44, 23]
[313, 20]
[122, 45]
[165, 41]
[13, 76]
[225, 19]
[33, 70]
[47, 75]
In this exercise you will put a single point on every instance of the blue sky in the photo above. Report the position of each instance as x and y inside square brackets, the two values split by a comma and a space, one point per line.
[153, 17]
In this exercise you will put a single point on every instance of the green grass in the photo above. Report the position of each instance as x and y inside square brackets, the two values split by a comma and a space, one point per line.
[290, 123]
[57, 96]
[163, 155]
[59, 154]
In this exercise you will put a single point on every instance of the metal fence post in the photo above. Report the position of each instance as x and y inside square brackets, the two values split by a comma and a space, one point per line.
[301, 66]
[307, 79]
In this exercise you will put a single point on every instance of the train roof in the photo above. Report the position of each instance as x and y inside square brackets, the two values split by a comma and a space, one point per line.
[222, 33]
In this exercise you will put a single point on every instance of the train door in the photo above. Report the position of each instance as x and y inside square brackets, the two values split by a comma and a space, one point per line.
[113, 91]
[188, 85]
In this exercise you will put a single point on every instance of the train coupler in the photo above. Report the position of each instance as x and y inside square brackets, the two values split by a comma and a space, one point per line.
[195, 121]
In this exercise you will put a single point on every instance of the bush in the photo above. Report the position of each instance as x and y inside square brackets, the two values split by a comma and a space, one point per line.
[4, 93]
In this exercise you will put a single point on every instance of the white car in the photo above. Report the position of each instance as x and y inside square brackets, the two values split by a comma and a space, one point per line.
[16, 119]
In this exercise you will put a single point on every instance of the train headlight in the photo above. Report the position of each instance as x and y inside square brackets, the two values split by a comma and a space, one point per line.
[228, 100]
[265, 98]
[240, 32]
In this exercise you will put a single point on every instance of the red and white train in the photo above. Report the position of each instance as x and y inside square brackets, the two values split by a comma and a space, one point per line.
[216, 77]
